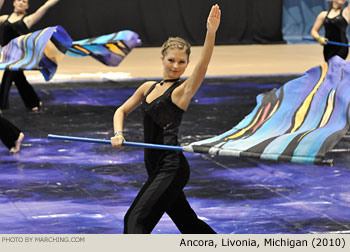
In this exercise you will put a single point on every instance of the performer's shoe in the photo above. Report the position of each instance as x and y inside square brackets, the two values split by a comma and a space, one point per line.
[17, 144]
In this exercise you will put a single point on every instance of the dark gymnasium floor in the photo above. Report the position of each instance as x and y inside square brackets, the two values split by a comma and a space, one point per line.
[55, 186]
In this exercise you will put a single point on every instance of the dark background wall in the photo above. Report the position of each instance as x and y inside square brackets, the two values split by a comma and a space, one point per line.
[243, 21]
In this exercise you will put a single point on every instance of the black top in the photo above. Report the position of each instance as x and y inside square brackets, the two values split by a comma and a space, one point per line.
[13, 30]
[161, 121]
[335, 30]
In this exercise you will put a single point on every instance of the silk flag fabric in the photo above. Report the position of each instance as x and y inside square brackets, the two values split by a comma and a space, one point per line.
[40, 50]
[298, 122]
[109, 49]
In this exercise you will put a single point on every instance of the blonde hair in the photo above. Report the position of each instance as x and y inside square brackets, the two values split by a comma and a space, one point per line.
[176, 43]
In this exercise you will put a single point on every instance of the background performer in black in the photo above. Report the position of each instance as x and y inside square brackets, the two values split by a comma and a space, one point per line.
[14, 25]
[335, 22]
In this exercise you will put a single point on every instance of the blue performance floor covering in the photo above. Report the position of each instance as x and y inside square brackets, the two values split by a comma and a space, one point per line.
[55, 186]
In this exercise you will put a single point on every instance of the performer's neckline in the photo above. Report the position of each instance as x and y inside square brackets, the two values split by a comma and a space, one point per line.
[169, 80]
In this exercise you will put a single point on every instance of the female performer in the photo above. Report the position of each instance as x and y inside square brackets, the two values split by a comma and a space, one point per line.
[14, 25]
[335, 22]
[163, 104]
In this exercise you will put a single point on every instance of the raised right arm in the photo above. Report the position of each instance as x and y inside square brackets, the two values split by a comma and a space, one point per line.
[183, 94]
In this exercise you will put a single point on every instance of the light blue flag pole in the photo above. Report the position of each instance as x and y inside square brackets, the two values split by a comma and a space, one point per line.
[125, 143]
[146, 145]
[329, 42]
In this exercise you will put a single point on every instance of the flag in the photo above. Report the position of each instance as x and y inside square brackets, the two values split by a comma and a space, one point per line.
[43, 49]
[40, 50]
[298, 122]
[109, 49]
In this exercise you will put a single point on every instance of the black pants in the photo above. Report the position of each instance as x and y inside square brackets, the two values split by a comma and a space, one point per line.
[26, 91]
[163, 192]
[8, 133]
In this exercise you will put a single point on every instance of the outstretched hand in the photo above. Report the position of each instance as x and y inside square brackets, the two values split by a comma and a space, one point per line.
[213, 21]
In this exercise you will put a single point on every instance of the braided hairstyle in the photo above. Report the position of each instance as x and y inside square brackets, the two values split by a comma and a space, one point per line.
[176, 43]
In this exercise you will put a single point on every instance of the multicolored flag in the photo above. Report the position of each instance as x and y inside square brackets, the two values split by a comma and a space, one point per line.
[299, 122]
[40, 50]
[109, 49]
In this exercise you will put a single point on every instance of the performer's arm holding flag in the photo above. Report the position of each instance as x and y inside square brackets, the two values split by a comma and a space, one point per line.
[335, 22]
[131, 104]
[317, 27]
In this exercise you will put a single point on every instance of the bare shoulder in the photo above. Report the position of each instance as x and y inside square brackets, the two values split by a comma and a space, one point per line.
[322, 15]
[3, 18]
[148, 83]
[146, 86]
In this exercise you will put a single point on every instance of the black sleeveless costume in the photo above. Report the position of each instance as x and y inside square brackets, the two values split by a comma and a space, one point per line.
[26, 91]
[335, 30]
[168, 173]
[8, 133]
